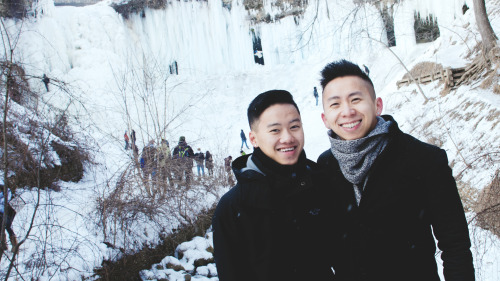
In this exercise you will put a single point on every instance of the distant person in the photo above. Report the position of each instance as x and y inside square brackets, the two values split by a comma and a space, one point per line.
[242, 153]
[183, 158]
[243, 139]
[164, 163]
[227, 164]
[271, 226]
[132, 138]
[398, 192]
[46, 81]
[126, 140]
[10, 213]
[209, 163]
[150, 162]
[315, 93]
[199, 157]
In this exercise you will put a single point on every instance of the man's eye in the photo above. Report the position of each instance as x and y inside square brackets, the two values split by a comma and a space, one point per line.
[356, 100]
[274, 131]
[334, 104]
[295, 127]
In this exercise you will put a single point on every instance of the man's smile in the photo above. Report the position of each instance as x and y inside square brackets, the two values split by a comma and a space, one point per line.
[350, 125]
[286, 149]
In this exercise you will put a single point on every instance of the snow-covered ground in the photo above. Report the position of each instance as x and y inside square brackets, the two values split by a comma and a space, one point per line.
[118, 71]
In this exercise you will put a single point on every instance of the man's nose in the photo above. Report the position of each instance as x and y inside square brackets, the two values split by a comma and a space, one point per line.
[286, 136]
[347, 109]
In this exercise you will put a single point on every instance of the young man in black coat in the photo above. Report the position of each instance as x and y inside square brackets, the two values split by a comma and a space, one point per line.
[272, 224]
[397, 191]
[183, 160]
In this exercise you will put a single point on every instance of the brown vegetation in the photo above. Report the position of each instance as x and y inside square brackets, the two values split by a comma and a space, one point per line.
[424, 68]
[129, 266]
[488, 206]
[31, 162]
[484, 66]
[14, 8]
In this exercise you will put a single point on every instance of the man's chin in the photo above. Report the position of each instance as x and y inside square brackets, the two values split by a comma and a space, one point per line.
[288, 161]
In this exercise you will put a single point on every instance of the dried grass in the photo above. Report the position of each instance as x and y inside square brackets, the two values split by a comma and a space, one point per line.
[488, 206]
[468, 195]
[493, 114]
[496, 89]
[435, 141]
[424, 68]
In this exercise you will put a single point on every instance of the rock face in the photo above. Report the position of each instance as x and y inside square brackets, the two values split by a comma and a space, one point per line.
[33, 162]
[71, 157]
[256, 9]
[40, 150]
[281, 9]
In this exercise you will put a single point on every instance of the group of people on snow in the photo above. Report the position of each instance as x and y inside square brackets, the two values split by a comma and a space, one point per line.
[371, 207]
[161, 164]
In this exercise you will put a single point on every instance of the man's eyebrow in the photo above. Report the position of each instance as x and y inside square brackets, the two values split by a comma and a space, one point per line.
[279, 124]
[350, 95]
[274, 124]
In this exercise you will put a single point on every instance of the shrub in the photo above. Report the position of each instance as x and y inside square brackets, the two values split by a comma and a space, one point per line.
[488, 206]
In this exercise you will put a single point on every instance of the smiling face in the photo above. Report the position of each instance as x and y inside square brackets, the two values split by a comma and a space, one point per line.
[349, 107]
[278, 133]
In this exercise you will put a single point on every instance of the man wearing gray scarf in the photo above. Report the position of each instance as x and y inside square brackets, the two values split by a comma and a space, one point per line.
[397, 192]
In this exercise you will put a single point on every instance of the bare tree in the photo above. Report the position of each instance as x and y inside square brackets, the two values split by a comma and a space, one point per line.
[484, 26]
[31, 131]
[131, 199]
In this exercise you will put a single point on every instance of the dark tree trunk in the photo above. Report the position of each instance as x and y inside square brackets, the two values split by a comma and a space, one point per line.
[484, 26]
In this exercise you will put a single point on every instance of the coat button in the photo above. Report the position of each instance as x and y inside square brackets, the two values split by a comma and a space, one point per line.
[303, 183]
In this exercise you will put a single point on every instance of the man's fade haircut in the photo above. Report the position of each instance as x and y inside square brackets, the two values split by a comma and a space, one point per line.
[342, 68]
[265, 100]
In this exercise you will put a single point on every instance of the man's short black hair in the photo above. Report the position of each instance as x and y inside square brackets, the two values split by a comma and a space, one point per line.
[267, 99]
[342, 68]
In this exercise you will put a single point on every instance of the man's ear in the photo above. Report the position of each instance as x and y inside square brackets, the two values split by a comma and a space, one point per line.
[323, 117]
[253, 139]
[380, 106]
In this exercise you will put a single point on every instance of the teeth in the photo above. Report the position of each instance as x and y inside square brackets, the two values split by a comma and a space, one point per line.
[287, 149]
[351, 125]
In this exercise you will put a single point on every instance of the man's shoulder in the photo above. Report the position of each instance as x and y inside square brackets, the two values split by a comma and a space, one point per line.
[311, 164]
[230, 200]
[325, 158]
[416, 148]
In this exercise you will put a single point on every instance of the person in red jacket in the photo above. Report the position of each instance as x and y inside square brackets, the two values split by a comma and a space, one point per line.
[126, 140]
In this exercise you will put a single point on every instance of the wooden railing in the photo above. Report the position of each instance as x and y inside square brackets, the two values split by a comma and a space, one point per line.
[449, 75]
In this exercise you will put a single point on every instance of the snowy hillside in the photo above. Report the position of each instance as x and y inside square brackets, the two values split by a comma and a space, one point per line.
[189, 70]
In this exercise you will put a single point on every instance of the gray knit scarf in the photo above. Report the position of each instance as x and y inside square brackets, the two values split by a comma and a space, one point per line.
[357, 156]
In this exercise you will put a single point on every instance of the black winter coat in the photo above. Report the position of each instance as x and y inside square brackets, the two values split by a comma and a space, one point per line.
[199, 158]
[184, 154]
[273, 227]
[409, 195]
